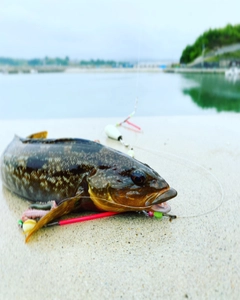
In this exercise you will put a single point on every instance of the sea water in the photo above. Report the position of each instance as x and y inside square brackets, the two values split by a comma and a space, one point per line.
[109, 94]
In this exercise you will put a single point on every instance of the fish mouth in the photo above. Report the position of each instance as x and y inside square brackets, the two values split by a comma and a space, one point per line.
[160, 203]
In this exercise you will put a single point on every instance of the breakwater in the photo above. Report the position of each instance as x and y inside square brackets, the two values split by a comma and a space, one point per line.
[195, 70]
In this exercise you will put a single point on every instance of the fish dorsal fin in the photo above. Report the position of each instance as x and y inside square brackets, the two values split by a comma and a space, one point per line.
[38, 135]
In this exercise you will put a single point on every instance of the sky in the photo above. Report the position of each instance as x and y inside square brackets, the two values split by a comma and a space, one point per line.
[108, 29]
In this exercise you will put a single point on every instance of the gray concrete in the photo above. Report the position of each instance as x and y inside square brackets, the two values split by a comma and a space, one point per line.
[131, 256]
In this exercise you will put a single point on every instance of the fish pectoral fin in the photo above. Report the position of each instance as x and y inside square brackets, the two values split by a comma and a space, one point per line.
[38, 135]
[67, 206]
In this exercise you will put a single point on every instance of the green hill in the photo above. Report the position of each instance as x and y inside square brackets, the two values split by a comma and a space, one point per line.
[211, 40]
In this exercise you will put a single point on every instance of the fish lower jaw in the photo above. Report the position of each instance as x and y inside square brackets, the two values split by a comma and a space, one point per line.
[163, 207]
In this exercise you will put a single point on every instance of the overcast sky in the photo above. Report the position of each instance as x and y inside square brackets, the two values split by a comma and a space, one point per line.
[108, 29]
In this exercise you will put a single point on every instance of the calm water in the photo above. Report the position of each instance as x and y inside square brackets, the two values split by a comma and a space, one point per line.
[63, 95]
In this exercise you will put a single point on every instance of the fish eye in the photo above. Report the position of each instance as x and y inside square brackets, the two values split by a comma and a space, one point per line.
[138, 177]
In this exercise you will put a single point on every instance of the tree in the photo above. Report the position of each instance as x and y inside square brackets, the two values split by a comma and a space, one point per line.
[211, 39]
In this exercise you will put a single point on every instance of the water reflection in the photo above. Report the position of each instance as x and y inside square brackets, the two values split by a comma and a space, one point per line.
[214, 91]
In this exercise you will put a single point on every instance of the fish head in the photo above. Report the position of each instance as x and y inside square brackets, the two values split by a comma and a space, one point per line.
[132, 186]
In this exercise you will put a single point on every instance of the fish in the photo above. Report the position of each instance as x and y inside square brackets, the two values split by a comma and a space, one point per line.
[78, 174]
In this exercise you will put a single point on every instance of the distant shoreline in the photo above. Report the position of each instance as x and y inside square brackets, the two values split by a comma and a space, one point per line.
[112, 70]
[72, 70]
[27, 70]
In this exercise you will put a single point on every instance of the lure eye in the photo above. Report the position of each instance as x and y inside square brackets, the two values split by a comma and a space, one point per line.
[138, 177]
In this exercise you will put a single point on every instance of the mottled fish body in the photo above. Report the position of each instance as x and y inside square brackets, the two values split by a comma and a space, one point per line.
[41, 170]
[80, 174]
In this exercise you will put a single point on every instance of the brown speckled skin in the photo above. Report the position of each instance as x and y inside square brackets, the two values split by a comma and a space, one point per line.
[46, 169]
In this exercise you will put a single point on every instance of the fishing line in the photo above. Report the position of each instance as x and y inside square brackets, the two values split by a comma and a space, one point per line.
[137, 77]
[111, 130]
[217, 181]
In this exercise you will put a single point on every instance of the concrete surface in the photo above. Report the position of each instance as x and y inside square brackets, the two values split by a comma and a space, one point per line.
[196, 256]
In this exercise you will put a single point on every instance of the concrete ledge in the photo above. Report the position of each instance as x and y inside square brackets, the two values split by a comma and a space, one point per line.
[130, 256]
